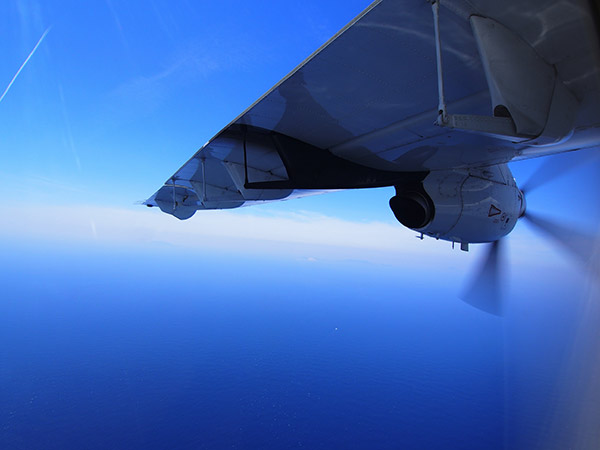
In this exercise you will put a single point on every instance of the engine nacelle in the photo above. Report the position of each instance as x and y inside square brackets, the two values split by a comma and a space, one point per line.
[466, 206]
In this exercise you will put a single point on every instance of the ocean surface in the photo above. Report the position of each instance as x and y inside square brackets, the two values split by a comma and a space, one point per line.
[163, 348]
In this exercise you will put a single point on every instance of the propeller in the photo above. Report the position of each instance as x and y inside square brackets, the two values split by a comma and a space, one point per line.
[484, 290]
[554, 167]
[577, 243]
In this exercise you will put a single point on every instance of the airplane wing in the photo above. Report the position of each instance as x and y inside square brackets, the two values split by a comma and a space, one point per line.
[408, 88]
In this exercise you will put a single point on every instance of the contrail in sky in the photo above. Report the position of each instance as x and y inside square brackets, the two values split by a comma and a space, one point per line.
[24, 63]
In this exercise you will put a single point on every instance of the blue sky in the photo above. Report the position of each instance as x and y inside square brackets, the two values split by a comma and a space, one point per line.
[120, 94]
[127, 92]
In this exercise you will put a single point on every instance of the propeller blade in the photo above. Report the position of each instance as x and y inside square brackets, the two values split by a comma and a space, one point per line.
[579, 244]
[484, 290]
[555, 166]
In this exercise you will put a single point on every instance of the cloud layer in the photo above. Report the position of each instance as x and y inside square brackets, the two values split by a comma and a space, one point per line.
[305, 234]
[301, 235]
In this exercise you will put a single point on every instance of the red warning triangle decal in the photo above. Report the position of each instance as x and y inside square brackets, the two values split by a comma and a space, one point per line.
[494, 211]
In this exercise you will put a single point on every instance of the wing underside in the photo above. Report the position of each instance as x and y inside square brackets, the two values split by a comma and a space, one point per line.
[360, 111]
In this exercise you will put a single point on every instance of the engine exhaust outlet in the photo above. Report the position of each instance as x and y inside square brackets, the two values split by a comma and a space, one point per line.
[412, 209]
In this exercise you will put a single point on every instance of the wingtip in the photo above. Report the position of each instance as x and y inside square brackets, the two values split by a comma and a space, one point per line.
[150, 202]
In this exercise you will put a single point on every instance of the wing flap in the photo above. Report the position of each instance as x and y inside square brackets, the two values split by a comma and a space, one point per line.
[215, 177]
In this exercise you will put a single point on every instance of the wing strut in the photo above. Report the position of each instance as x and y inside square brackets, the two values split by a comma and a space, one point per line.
[245, 130]
[174, 194]
[442, 112]
[203, 161]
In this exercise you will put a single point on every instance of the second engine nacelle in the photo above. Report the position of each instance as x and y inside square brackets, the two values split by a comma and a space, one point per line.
[466, 206]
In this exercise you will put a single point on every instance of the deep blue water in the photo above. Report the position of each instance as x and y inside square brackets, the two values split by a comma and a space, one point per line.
[112, 348]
